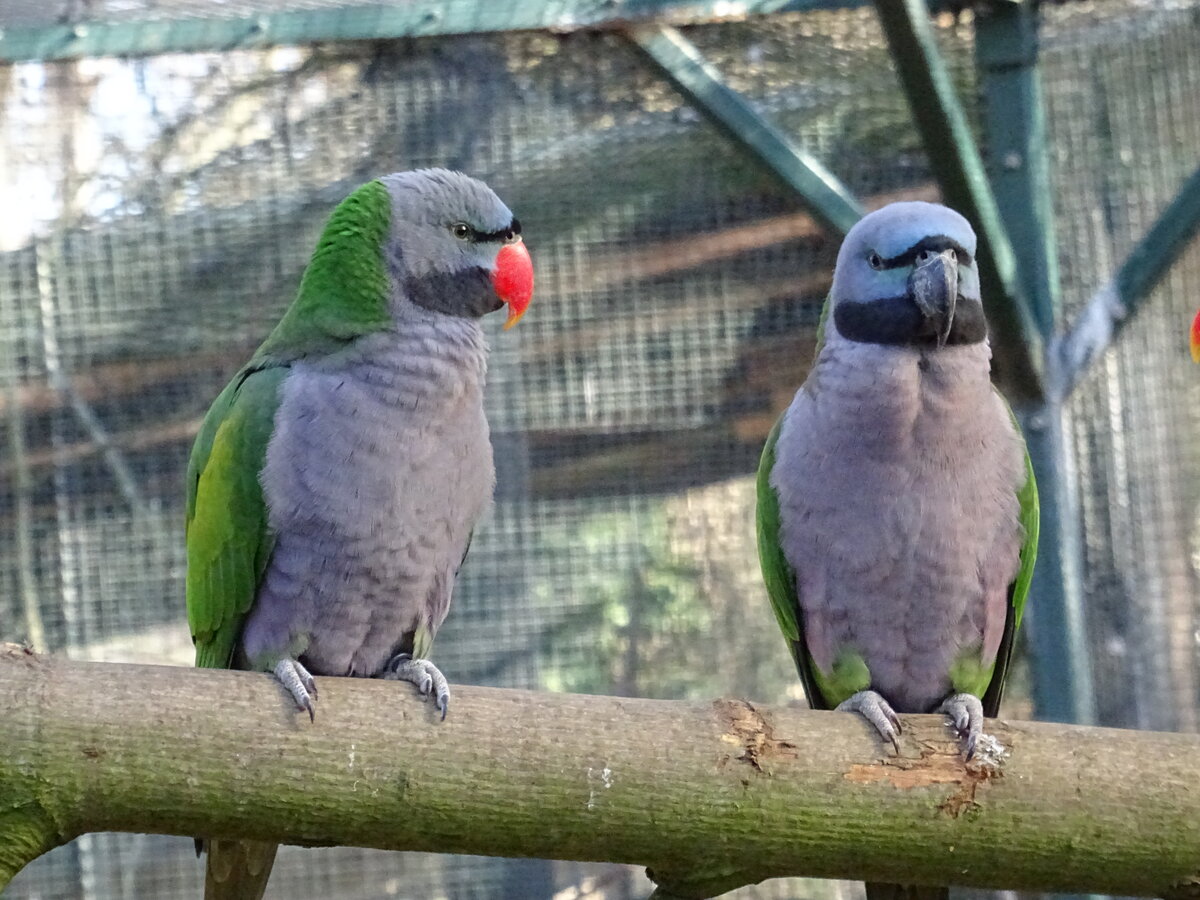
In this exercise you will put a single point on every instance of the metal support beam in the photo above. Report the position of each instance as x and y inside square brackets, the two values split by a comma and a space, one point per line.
[1015, 123]
[827, 198]
[1006, 48]
[957, 163]
[1110, 308]
[129, 36]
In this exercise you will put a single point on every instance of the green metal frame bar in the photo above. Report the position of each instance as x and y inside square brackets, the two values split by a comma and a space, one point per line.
[956, 161]
[412, 18]
[1112, 307]
[677, 58]
[1006, 56]
[1163, 243]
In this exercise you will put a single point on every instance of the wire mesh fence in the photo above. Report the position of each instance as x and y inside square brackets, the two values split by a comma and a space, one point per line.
[161, 209]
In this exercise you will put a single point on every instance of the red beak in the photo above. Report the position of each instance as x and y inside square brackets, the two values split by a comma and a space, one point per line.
[513, 279]
[1195, 340]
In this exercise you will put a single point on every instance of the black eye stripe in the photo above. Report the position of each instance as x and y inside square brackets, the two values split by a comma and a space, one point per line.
[499, 236]
[937, 243]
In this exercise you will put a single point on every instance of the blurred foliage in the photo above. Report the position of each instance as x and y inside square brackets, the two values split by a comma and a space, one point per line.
[639, 610]
[666, 601]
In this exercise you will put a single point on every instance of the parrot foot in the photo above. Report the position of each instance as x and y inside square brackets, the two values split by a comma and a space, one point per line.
[966, 714]
[425, 675]
[299, 684]
[877, 711]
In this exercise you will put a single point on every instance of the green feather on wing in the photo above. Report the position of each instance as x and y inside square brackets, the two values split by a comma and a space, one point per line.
[777, 573]
[1018, 591]
[228, 541]
[343, 296]
[824, 690]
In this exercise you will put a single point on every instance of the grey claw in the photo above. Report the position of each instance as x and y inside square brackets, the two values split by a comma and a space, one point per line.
[966, 715]
[425, 675]
[300, 685]
[878, 712]
[893, 719]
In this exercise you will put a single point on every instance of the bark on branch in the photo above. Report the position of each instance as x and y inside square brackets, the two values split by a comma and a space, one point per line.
[708, 795]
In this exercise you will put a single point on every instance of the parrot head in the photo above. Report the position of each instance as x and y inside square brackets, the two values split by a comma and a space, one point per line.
[906, 275]
[1195, 338]
[455, 247]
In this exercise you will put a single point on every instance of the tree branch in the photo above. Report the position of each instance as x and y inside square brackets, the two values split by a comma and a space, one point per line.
[708, 795]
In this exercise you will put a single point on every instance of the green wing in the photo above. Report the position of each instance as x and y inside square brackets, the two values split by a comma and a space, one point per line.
[228, 542]
[1018, 591]
[778, 574]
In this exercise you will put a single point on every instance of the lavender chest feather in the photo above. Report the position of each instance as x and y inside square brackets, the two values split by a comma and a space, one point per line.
[897, 478]
[379, 468]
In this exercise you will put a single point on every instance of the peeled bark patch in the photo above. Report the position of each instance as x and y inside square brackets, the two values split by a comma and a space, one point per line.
[746, 728]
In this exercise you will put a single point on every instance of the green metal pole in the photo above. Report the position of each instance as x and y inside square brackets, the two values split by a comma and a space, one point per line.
[1006, 52]
[958, 165]
[678, 59]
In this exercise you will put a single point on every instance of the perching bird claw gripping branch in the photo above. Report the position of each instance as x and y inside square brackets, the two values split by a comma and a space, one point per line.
[708, 795]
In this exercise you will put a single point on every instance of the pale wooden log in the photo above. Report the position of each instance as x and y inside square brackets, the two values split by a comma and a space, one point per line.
[708, 795]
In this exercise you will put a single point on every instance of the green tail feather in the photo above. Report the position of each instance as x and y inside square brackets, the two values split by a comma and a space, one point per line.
[238, 870]
[905, 892]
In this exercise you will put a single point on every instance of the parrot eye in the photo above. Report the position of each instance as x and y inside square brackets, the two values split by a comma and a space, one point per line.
[512, 232]
[461, 230]
[874, 261]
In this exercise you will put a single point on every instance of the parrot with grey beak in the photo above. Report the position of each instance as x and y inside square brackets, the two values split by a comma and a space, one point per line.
[335, 482]
[897, 510]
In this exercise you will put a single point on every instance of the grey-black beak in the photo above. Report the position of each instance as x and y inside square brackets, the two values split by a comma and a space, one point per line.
[933, 286]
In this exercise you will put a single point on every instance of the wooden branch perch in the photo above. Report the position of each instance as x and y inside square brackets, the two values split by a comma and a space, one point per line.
[708, 795]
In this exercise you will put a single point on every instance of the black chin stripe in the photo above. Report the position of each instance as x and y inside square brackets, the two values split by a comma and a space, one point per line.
[896, 321]
[467, 293]
[936, 242]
